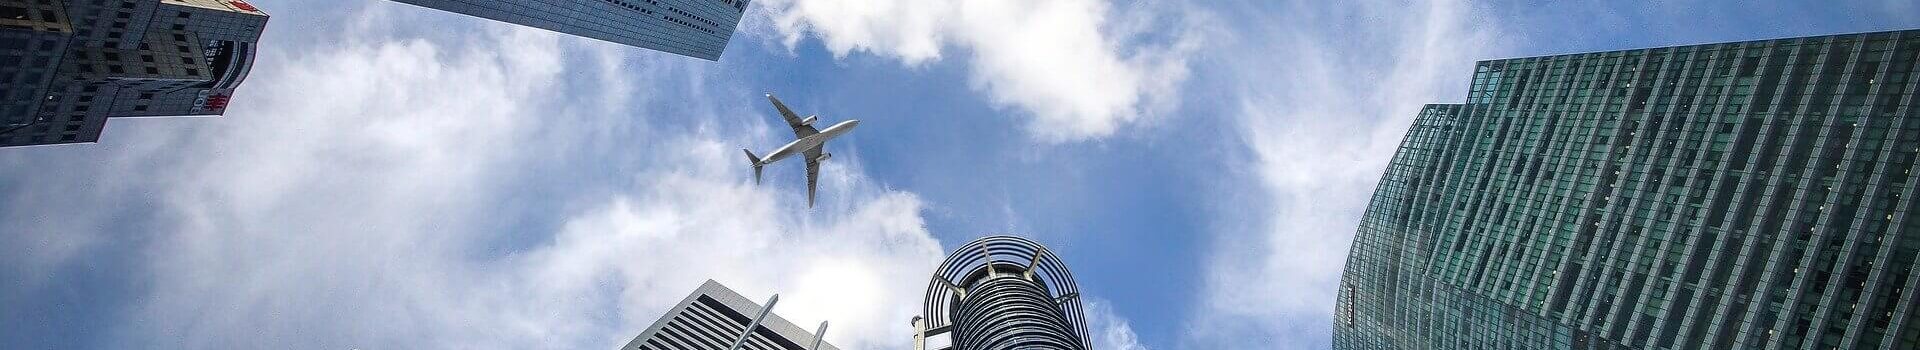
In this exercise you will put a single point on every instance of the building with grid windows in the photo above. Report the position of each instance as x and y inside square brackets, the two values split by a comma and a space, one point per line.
[715, 317]
[1750, 195]
[67, 66]
[693, 28]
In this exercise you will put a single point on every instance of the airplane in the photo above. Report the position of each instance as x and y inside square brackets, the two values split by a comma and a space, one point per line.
[810, 141]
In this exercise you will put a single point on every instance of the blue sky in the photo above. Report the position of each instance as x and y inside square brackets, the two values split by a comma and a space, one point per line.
[393, 177]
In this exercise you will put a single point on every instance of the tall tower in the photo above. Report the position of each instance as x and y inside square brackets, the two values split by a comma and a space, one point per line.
[75, 63]
[715, 317]
[1749, 195]
[694, 28]
[1002, 293]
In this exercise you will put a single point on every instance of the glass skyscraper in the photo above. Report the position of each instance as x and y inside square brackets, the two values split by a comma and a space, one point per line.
[694, 28]
[1750, 195]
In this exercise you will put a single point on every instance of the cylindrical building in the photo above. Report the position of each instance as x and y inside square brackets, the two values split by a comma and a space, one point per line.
[1003, 292]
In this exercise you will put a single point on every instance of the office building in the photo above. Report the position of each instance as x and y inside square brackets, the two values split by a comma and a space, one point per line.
[694, 28]
[715, 318]
[1001, 293]
[67, 66]
[1749, 195]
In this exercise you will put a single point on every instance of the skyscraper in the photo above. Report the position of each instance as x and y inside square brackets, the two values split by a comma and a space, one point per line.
[1750, 195]
[694, 28]
[1001, 293]
[66, 66]
[714, 318]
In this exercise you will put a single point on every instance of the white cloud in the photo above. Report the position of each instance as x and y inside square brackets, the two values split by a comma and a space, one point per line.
[1082, 68]
[372, 276]
[353, 198]
[1110, 331]
[363, 193]
[1321, 128]
[862, 271]
[349, 200]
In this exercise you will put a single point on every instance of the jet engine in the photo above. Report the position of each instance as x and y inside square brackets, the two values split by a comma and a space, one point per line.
[809, 120]
[823, 157]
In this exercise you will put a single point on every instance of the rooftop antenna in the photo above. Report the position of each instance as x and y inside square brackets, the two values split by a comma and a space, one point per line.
[756, 324]
[819, 335]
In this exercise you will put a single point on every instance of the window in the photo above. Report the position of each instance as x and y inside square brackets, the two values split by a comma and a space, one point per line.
[12, 12]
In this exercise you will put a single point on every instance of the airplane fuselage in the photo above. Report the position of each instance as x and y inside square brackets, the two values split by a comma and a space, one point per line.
[810, 142]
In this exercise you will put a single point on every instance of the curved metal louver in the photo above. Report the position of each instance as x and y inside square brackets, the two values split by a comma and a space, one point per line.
[1005, 292]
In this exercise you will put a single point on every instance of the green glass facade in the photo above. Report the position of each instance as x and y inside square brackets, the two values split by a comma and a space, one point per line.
[1751, 195]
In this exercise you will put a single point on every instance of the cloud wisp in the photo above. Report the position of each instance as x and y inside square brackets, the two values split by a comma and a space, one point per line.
[1109, 330]
[1081, 68]
[1320, 128]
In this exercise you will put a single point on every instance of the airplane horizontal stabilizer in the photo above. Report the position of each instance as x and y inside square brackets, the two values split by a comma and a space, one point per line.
[755, 161]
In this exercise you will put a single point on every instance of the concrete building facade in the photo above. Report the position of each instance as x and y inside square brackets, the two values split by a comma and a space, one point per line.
[714, 317]
[81, 62]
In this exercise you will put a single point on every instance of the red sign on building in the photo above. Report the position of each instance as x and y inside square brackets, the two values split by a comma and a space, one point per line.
[242, 4]
[215, 103]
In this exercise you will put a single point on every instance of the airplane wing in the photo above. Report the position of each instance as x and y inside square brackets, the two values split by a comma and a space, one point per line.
[793, 120]
[813, 173]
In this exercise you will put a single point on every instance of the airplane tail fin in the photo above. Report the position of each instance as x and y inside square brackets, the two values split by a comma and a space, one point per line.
[755, 160]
